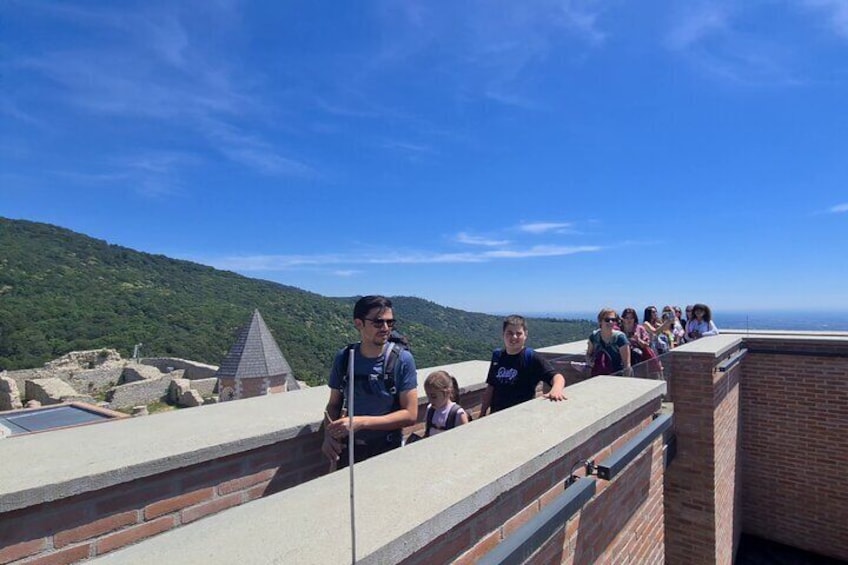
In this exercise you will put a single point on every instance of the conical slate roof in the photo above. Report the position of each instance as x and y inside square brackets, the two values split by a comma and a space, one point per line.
[255, 354]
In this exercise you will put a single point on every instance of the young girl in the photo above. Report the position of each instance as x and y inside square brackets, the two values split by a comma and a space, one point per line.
[443, 413]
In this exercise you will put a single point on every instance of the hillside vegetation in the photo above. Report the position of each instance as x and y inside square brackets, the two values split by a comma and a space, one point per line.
[62, 291]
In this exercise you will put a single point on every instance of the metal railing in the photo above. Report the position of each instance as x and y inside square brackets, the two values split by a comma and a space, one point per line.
[521, 546]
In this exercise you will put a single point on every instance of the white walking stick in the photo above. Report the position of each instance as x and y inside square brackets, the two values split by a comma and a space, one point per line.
[350, 447]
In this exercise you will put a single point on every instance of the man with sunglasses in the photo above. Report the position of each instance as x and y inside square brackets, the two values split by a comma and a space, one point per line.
[384, 401]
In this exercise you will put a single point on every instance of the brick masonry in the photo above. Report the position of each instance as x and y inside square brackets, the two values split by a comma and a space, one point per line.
[93, 523]
[701, 487]
[761, 449]
[795, 441]
[624, 518]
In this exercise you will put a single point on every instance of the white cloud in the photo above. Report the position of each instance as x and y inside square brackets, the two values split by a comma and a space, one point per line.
[545, 227]
[485, 49]
[696, 25]
[408, 147]
[150, 66]
[839, 209]
[286, 262]
[711, 37]
[836, 11]
[468, 239]
[541, 251]
[153, 174]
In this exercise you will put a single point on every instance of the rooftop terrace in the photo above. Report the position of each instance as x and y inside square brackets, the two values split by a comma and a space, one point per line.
[244, 482]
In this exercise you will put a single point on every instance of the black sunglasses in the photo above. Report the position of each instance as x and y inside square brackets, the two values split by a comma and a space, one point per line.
[611, 320]
[378, 322]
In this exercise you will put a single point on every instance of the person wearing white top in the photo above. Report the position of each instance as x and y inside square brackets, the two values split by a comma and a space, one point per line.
[702, 324]
[442, 413]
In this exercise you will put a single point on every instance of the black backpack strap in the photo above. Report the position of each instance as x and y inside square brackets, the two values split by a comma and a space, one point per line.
[496, 356]
[451, 421]
[391, 367]
[430, 412]
[528, 356]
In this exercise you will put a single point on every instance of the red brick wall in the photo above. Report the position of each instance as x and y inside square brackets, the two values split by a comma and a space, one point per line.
[795, 439]
[624, 518]
[97, 522]
[94, 523]
[701, 488]
[727, 453]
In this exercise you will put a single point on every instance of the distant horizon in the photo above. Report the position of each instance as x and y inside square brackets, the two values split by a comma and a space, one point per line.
[799, 320]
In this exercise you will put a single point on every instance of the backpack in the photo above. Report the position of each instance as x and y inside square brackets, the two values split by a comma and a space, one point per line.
[528, 356]
[450, 422]
[391, 367]
[603, 363]
[603, 359]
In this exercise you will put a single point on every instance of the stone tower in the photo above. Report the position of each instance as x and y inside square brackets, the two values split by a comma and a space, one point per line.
[255, 366]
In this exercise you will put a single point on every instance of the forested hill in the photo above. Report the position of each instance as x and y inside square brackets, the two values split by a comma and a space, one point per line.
[62, 291]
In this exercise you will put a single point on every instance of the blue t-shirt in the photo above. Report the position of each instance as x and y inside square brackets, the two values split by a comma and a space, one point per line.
[370, 395]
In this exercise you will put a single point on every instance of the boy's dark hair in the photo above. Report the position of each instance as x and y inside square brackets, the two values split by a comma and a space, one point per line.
[514, 320]
[368, 303]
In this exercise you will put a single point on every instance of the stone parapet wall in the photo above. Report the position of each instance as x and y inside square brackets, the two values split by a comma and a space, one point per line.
[10, 397]
[206, 387]
[231, 453]
[192, 369]
[92, 381]
[625, 517]
[141, 392]
[450, 511]
[135, 372]
[53, 391]
[20, 376]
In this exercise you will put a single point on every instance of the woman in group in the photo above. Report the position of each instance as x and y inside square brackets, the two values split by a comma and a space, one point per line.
[608, 351]
[657, 328]
[701, 324]
[675, 331]
[640, 342]
[678, 313]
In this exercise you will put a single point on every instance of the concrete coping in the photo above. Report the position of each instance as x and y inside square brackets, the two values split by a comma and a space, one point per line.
[727, 340]
[791, 335]
[407, 497]
[38, 468]
[715, 345]
[571, 348]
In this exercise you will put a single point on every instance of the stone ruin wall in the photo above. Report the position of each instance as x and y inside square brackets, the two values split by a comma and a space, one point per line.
[125, 383]
[206, 387]
[193, 369]
[134, 372]
[141, 392]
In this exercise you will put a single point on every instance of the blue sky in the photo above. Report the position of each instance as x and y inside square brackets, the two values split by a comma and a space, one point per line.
[532, 156]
